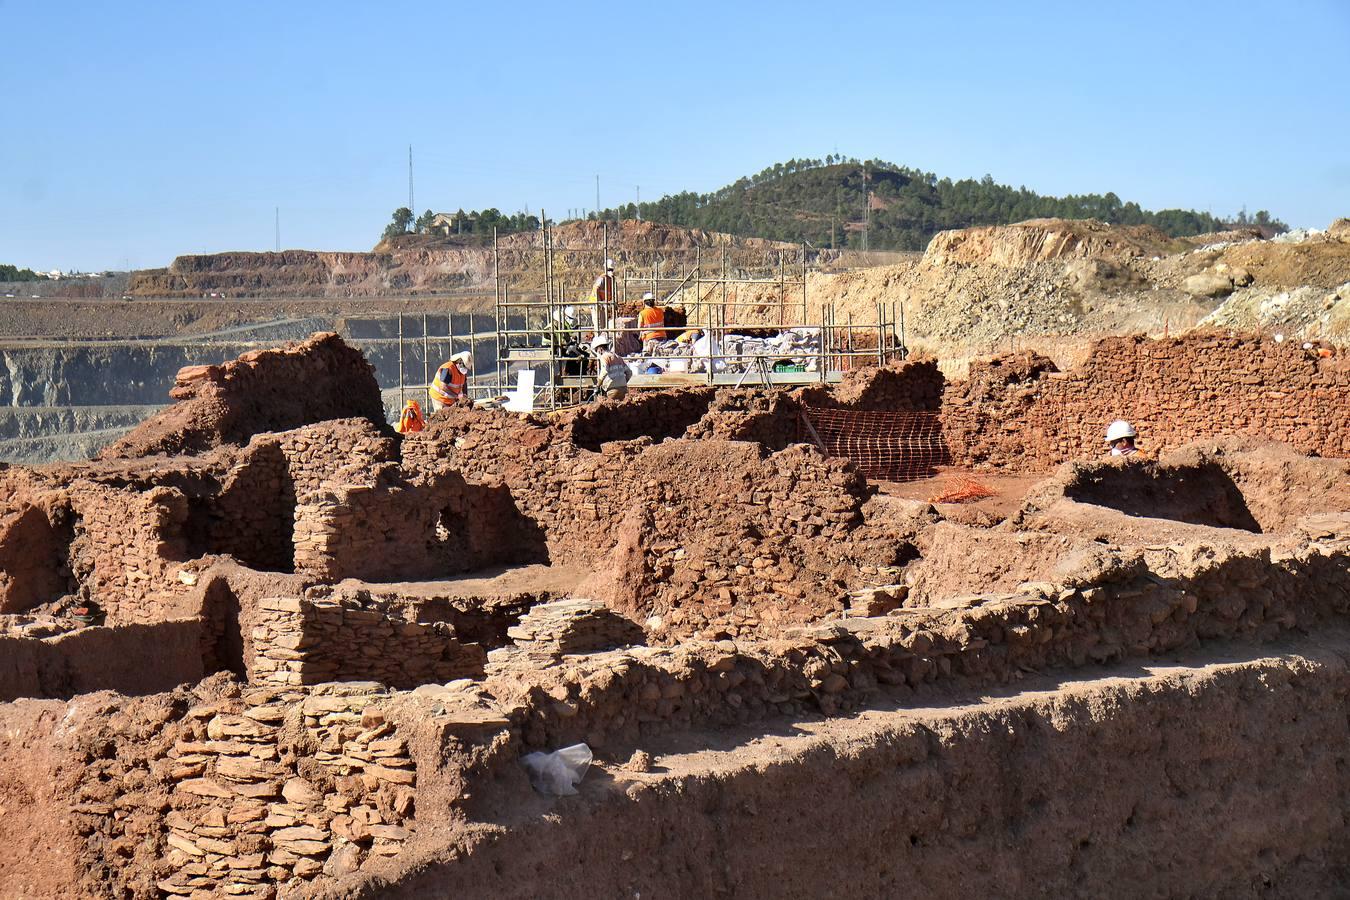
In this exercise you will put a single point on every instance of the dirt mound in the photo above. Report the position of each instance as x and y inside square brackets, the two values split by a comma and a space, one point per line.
[263, 390]
[1050, 284]
[1042, 240]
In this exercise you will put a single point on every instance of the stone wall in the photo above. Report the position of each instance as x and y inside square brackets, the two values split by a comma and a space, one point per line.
[1135, 607]
[259, 790]
[298, 641]
[1020, 413]
[128, 550]
[262, 391]
[718, 527]
[253, 516]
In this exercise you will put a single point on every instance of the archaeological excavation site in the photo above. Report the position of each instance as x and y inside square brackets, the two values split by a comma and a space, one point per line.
[263, 646]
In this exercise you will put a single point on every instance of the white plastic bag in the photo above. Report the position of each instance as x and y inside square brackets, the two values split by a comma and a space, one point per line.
[558, 773]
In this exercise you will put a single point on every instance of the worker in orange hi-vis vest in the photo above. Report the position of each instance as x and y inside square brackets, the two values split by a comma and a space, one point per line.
[411, 420]
[650, 321]
[451, 384]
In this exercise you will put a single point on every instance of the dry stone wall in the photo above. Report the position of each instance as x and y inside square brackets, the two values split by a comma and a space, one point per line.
[264, 789]
[1019, 413]
[128, 550]
[298, 641]
[1139, 606]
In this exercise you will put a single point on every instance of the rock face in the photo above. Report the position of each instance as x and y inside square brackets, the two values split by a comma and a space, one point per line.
[263, 390]
[421, 264]
[1208, 284]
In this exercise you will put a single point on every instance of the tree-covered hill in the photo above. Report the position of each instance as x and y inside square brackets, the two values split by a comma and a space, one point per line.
[822, 202]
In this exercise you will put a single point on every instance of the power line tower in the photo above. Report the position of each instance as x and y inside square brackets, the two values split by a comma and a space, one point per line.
[867, 209]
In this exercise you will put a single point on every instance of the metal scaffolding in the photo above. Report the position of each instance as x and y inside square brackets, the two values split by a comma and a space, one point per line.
[545, 325]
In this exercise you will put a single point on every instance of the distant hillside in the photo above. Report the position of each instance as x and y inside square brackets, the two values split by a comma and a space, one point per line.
[822, 202]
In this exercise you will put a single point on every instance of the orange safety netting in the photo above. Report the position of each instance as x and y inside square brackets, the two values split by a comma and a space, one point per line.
[961, 489]
[893, 446]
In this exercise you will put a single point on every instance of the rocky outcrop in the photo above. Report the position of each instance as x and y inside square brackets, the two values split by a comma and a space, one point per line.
[1042, 240]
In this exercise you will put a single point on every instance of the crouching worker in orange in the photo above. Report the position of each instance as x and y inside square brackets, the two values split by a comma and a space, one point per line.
[411, 419]
[451, 384]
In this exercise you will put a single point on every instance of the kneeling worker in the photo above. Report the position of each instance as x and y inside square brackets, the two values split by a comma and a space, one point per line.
[1120, 438]
[613, 373]
[451, 384]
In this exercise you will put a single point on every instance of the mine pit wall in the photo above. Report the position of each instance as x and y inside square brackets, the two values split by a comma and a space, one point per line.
[1019, 413]
[1155, 783]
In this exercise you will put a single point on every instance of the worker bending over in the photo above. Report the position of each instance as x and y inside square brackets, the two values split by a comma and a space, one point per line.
[451, 384]
[1120, 437]
[651, 320]
[612, 372]
[410, 420]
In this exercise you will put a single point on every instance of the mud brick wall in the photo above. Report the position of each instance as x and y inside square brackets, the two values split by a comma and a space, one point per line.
[579, 498]
[910, 386]
[262, 391]
[295, 641]
[251, 807]
[615, 699]
[1019, 413]
[655, 414]
[130, 659]
[737, 541]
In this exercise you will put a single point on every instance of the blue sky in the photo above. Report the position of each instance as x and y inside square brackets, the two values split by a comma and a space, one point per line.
[138, 131]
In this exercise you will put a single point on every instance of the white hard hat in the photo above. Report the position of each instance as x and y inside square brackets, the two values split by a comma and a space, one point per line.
[600, 340]
[648, 296]
[609, 264]
[463, 357]
[1120, 429]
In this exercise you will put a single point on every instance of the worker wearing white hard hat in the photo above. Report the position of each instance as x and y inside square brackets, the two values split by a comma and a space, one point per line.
[451, 384]
[612, 373]
[1120, 437]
